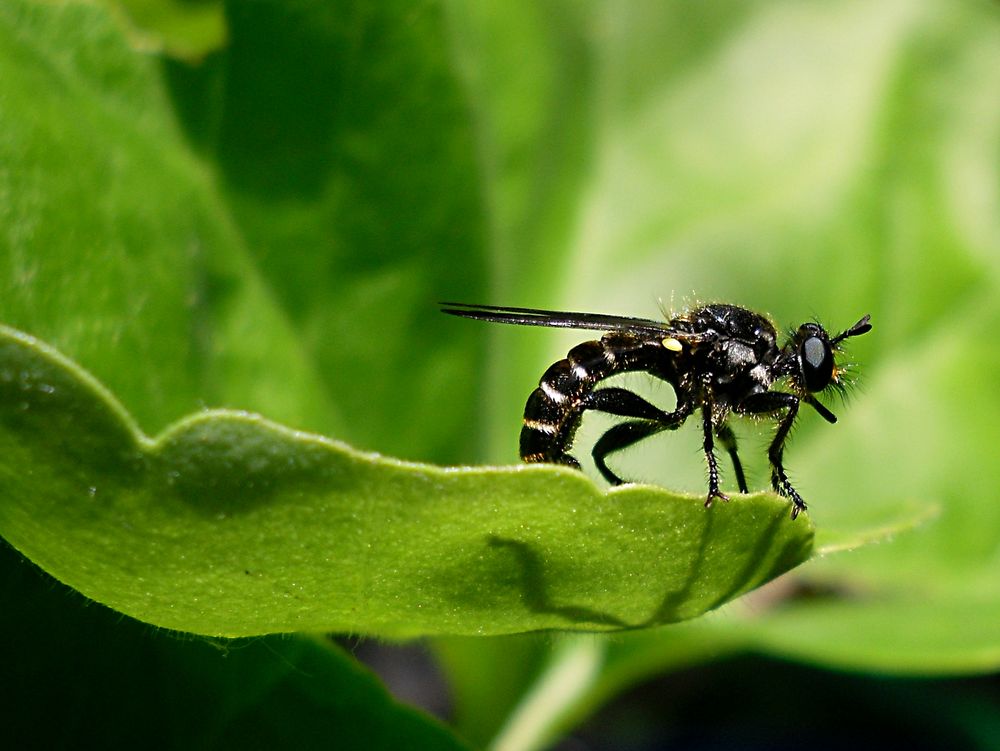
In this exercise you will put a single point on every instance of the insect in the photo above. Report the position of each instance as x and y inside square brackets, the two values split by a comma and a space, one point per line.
[720, 360]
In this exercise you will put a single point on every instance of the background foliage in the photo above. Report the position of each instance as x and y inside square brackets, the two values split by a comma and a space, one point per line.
[259, 212]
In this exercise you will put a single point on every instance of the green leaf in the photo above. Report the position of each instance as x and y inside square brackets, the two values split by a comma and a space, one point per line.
[345, 152]
[245, 246]
[268, 231]
[875, 525]
[150, 286]
[158, 690]
[853, 172]
[828, 160]
[230, 525]
[187, 29]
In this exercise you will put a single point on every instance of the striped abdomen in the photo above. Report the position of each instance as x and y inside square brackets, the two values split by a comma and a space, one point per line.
[554, 410]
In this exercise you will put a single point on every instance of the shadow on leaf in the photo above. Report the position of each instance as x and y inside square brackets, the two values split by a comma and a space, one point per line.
[535, 593]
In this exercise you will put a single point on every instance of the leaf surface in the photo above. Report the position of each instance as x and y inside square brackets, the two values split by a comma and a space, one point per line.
[231, 525]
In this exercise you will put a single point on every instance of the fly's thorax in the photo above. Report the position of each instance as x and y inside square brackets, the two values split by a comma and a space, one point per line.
[725, 321]
[726, 370]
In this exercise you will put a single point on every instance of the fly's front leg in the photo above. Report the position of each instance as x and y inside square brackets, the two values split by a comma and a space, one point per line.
[775, 454]
[773, 402]
[713, 464]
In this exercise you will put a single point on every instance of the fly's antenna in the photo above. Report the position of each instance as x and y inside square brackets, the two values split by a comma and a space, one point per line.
[861, 327]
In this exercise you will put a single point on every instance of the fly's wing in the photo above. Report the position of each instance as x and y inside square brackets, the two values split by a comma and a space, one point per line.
[559, 319]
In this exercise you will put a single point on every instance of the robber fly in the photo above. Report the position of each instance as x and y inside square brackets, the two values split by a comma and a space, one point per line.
[720, 360]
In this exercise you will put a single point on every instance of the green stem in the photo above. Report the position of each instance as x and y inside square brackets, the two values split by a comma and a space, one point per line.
[575, 665]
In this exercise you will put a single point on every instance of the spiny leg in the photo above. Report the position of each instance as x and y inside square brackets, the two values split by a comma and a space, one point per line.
[775, 453]
[713, 464]
[624, 403]
[727, 438]
[772, 402]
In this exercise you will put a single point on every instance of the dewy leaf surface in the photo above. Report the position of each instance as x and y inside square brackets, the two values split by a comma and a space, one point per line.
[231, 525]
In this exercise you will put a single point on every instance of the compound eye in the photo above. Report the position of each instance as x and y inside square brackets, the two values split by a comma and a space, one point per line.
[816, 358]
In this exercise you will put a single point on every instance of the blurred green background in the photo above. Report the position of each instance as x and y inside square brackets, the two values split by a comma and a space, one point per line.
[256, 204]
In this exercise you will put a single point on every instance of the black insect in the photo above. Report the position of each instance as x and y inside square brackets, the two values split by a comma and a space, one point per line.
[720, 358]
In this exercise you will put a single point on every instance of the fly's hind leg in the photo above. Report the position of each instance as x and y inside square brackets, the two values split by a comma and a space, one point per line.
[713, 463]
[619, 437]
[652, 420]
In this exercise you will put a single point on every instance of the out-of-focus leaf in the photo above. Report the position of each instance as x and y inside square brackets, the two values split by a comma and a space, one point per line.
[344, 146]
[264, 231]
[114, 243]
[826, 160]
[116, 683]
[196, 236]
[187, 29]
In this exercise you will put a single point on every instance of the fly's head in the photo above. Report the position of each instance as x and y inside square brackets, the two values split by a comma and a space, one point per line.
[809, 360]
